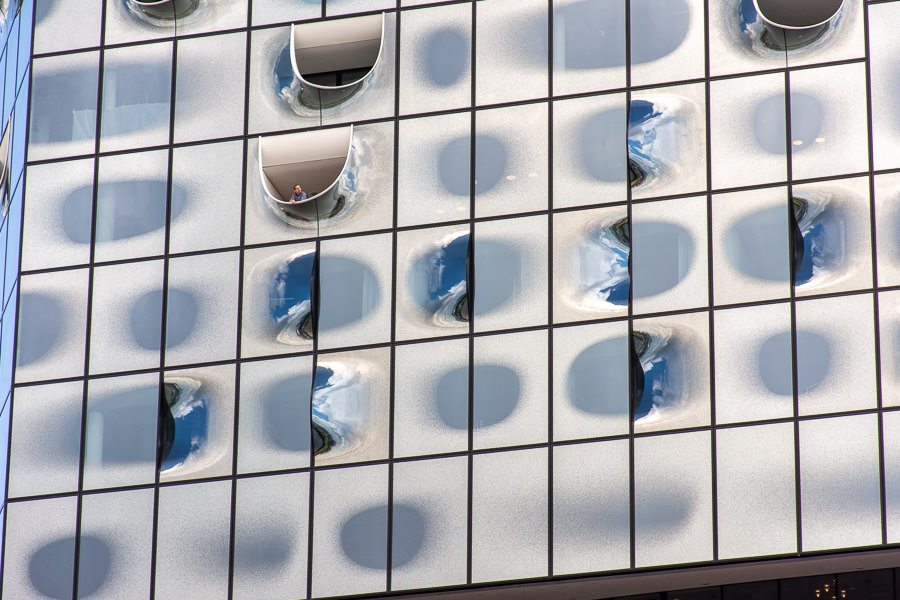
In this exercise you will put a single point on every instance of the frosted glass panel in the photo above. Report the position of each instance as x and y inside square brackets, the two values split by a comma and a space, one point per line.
[591, 507]
[509, 518]
[270, 537]
[892, 474]
[583, 60]
[667, 40]
[755, 490]
[672, 499]
[429, 524]
[883, 48]
[839, 481]
[57, 17]
[192, 541]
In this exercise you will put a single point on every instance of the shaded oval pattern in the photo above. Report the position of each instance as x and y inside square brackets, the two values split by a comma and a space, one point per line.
[52, 568]
[349, 291]
[658, 27]
[40, 324]
[127, 425]
[286, 413]
[364, 536]
[496, 394]
[602, 141]
[666, 372]
[776, 365]
[498, 274]
[446, 56]
[454, 164]
[597, 382]
[757, 245]
[603, 257]
[266, 548]
[437, 282]
[125, 209]
[341, 408]
[290, 299]
[146, 318]
[661, 256]
[189, 407]
[824, 231]
[807, 118]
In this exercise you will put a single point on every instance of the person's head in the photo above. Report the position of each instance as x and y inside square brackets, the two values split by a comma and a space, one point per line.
[297, 189]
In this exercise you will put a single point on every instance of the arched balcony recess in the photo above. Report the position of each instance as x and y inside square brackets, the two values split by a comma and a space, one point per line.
[791, 25]
[322, 162]
[166, 9]
[334, 59]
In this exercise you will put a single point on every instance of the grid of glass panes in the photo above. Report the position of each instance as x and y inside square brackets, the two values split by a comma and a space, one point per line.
[502, 447]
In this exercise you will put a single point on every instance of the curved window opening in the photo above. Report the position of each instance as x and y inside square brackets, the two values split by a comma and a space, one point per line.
[795, 24]
[334, 59]
[183, 422]
[439, 281]
[605, 256]
[167, 9]
[321, 163]
[291, 299]
[659, 373]
[819, 240]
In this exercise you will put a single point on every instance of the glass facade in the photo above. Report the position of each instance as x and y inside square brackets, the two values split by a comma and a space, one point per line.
[356, 298]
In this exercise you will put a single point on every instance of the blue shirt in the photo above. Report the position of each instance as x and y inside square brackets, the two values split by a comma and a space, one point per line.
[300, 198]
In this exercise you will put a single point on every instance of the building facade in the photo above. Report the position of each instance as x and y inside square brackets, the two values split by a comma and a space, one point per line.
[579, 298]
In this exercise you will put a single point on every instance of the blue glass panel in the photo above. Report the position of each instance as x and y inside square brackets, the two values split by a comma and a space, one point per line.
[13, 237]
[12, 55]
[17, 151]
[3, 231]
[25, 33]
[4, 446]
[7, 338]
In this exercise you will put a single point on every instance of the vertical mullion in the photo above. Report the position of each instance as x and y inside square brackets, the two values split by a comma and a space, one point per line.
[470, 289]
[630, 340]
[550, 397]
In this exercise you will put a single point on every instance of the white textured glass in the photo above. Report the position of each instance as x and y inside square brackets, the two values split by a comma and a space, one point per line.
[201, 308]
[431, 398]
[434, 169]
[735, 45]
[278, 11]
[590, 151]
[435, 59]
[747, 130]
[892, 475]
[755, 491]
[353, 405]
[839, 482]
[57, 230]
[590, 381]
[883, 48]
[511, 171]
[371, 209]
[116, 545]
[270, 537]
[120, 432]
[210, 73]
[52, 314]
[591, 507]
[64, 110]
[511, 273]
[53, 31]
[127, 23]
[137, 83]
[672, 499]
[887, 227]
[132, 192]
[754, 363]
[509, 515]
[209, 456]
[355, 291]
[751, 247]
[39, 556]
[669, 255]
[510, 389]
[667, 40]
[266, 274]
[828, 121]
[267, 109]
[209, 178]
[836, 354]
[46, 439]
[192, 541]
[511, 52]
[588, 45]
[126, 320]
[431, 282]
[429, 524]
[889, 324]
[274, 431]
[836, 236]
[350, 531]
[590, 265]
[340, 7]
[672, 139]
